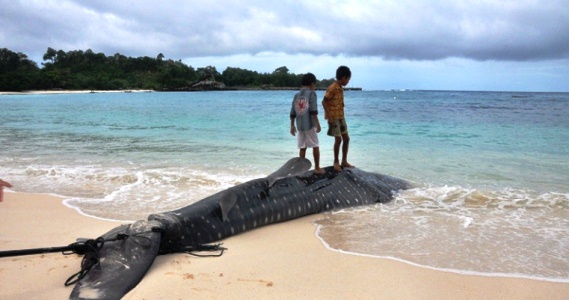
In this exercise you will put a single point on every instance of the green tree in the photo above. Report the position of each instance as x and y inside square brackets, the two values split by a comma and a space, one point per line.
[78, 69]
[50, 54]
[281, 70]
[17, 72]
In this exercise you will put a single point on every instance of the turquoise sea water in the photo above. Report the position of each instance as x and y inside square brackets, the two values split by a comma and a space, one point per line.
[490, 169]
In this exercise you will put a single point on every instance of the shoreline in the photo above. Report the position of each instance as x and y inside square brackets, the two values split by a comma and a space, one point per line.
[517, 94]
[54, 92]
[280, 261]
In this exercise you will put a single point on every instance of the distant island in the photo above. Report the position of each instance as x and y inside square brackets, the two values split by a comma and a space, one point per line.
[87, 70]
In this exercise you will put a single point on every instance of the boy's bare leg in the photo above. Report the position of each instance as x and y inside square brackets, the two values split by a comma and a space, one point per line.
[2, 185]
[345, 147]
[302, 152]
[337, 143]
[316, 153]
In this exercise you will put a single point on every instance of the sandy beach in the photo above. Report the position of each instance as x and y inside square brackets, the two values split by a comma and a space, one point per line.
[282, 261]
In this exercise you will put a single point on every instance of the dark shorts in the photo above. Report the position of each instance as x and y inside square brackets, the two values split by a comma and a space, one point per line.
[337, 127]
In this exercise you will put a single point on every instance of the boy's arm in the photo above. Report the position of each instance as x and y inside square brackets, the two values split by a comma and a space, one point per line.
[292, 117]
[326, 105]
[314, 111]
[327, 102]
[317, 123]
[292, 128]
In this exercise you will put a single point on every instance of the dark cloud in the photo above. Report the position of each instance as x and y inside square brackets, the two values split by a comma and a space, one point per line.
[524, 30]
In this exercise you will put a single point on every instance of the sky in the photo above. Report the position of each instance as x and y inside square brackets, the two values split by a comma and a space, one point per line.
[482, 45]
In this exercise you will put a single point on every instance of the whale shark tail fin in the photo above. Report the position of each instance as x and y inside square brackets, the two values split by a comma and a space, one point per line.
[126, 254]
[294, 166]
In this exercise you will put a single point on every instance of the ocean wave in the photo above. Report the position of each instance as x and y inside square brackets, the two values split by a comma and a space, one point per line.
[125, 193]
[516, 232]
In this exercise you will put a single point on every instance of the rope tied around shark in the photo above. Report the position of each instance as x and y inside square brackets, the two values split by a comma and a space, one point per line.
[90, 249]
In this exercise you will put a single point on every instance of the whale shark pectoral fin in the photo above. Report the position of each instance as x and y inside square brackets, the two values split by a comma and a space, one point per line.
[294, 166]
[226, 203]
[122, 262]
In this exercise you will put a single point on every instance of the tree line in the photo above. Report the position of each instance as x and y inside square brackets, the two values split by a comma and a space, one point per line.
[87, 70]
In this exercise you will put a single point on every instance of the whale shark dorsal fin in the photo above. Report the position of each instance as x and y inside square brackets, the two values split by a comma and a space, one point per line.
[294, 166]
[226, 203]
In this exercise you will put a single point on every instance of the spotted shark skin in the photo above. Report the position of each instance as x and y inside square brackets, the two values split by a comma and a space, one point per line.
[290, 192]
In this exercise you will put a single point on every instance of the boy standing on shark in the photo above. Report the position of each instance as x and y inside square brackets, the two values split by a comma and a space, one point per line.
[334, 112]
[305, 111]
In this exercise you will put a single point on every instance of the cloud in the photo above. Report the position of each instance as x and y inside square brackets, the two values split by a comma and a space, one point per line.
[524, 30]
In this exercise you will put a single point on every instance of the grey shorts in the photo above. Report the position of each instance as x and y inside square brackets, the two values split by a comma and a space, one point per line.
[337, 127]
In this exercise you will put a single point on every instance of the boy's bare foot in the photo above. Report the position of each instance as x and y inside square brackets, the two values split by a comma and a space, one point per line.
[337, 167]
[319, 171]
[347, 165]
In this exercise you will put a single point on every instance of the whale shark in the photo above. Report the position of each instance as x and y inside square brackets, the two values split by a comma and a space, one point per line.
[123, 255]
